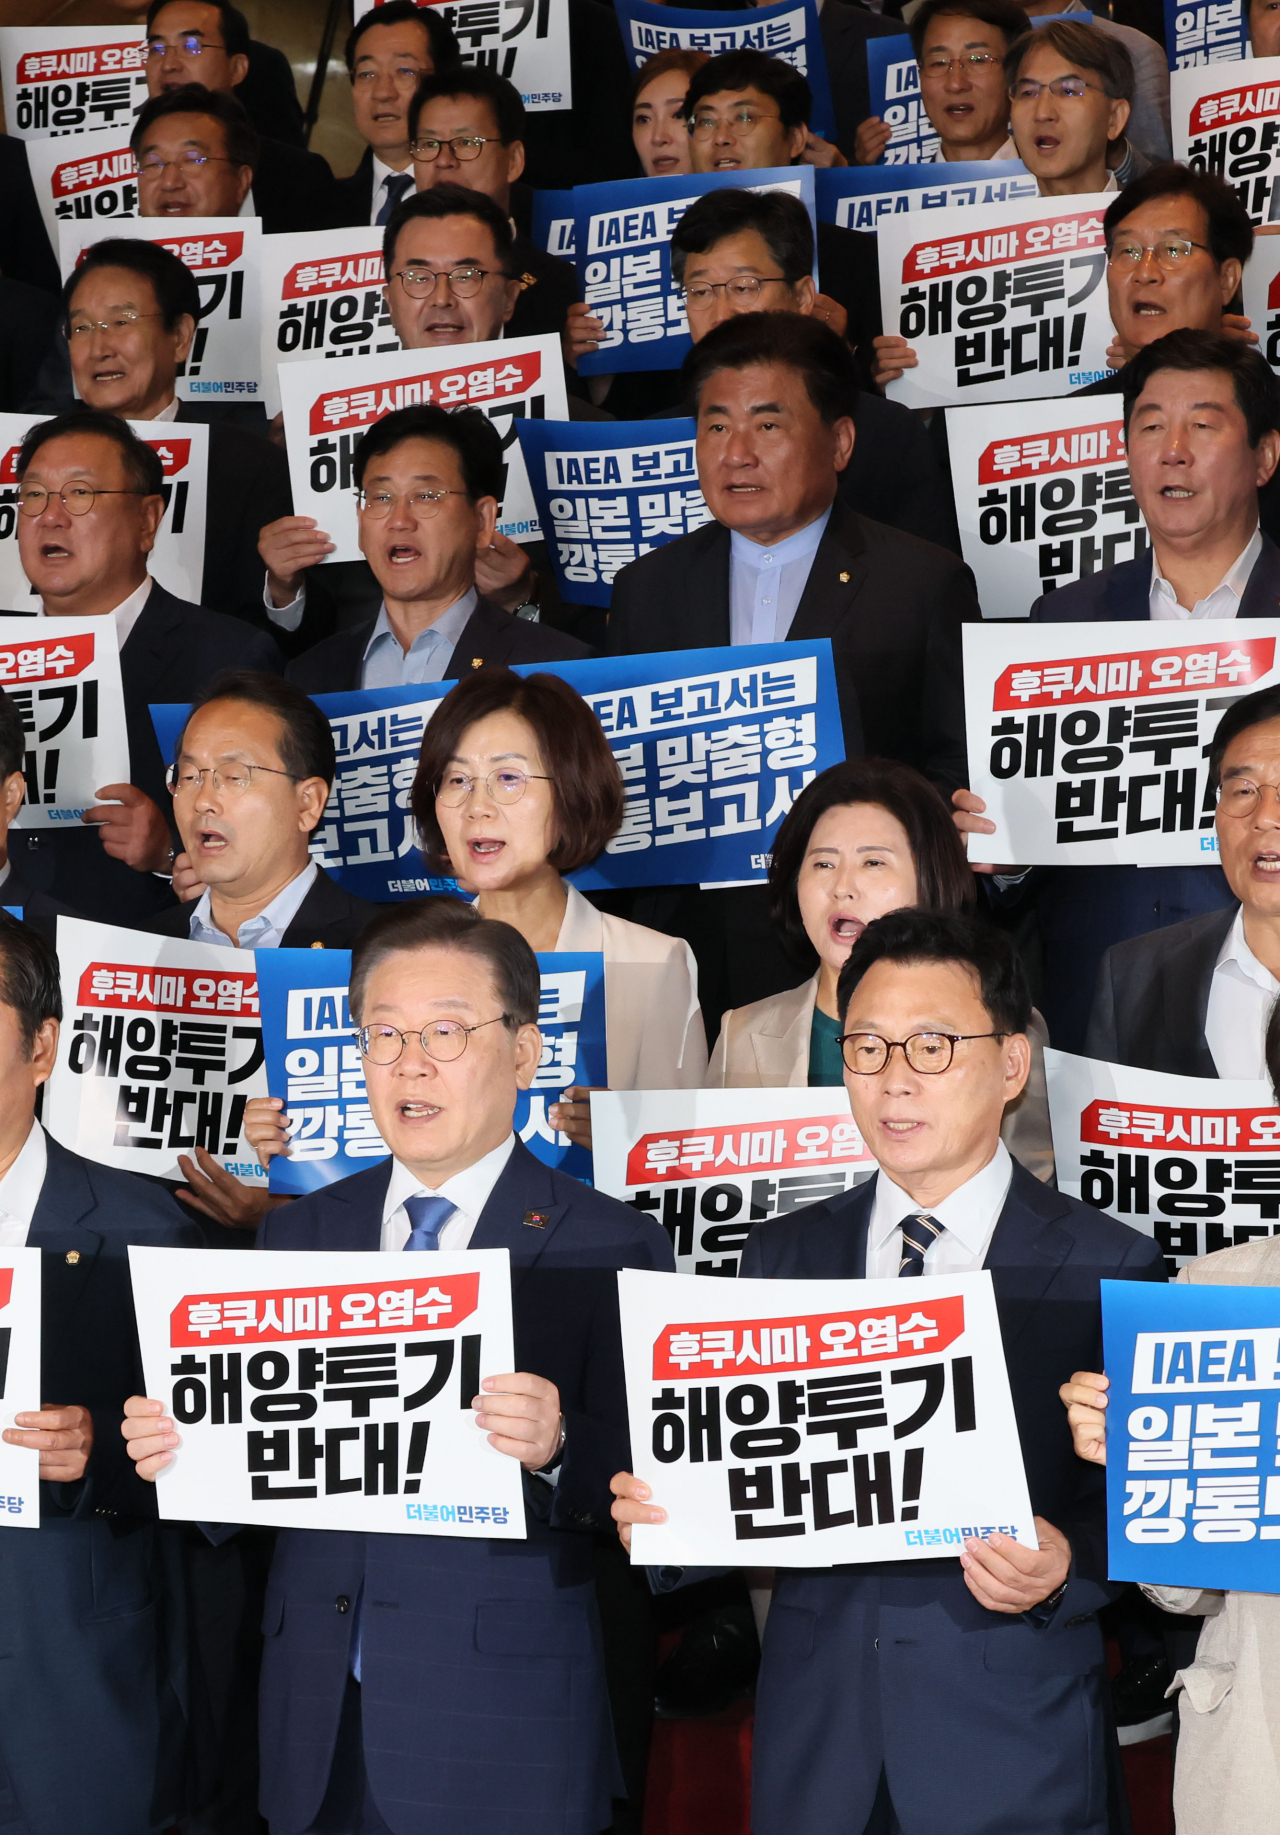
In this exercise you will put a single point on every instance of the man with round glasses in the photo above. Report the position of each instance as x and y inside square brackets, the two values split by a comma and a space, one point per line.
[960, 47]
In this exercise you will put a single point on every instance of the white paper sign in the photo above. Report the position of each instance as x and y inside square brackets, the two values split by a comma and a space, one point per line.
[707, 1164]
[64, 79]
[90, 180]
[1042, 496]
[1192, 1161]
[811, 1423]
[1226, 120]
[225, 256]
[1000, 302]
[524, 41]
[1261, 288]
[161, 1047]
[19, 1384]
[1088, 742]
[330, 1391]
[322, 297]
[325, 414]
[63, 674]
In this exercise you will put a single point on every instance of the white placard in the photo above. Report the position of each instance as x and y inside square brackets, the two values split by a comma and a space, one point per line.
[814, 1423]
[1000, 302]
[707, 1164]
[1226, 120]
[1192, 1161]
[90, 181]
[63, 674]
[1042, 496]
[326, 412]
[330, 1391]
[1261, 288]
[67, 79]
[161, 1047]
[1088, 742]
[526, 43]
[322, 297]
[19, 1384]
[225, 256]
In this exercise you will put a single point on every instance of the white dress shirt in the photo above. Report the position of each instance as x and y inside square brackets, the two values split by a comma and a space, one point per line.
[264, 931]
[969, 1217]
[428, 657]
[467, 1191]
[766, 584]
[126, 613]
[1241, 996]
[168, 414]
[20, 1189]
[1222, 602]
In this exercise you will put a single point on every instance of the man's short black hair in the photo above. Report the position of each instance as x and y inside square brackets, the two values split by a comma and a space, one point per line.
[1082, 45]
[30, 982]
[306, 739]
[444, 201]
[445, 49]
[141, 462]
[470, 433]
[1005, 15]
[735, 70]
[945, 936]
[484, 85]
[801, 343]
[231, 23]
[243, 145]
[780, 219]
[172, 281]
[1253, 381]
[448, 923]
[13, 743]
[1227, 220]
[1249, 711]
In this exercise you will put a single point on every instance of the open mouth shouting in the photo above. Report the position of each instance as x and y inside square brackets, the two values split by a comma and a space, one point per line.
[1266, 865]
[846, 929]
[411, 1112]
[210, 842]
[484, 848]
[403, 554]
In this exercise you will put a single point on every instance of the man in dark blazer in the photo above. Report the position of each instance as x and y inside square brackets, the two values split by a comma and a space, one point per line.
[25, 250]
[396, 1667]
[948, 1697]
[16, 895]
[29, 319]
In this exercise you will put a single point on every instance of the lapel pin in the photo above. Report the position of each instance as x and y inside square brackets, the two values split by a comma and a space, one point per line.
[844, 579]
[317, 946]
[536, 1220]
[477, 662]
[73, 1256]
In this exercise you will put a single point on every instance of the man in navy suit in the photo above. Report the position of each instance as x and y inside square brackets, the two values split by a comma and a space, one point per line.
[947, 1697]
[432, 1686]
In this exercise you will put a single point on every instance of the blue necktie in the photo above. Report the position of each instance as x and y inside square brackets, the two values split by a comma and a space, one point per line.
[395, 187]
[427, 1217]
[919, 1233]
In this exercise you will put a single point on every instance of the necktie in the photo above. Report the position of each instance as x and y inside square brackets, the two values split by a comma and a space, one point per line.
[395, 188]
[427, 1217]
[919, 1231]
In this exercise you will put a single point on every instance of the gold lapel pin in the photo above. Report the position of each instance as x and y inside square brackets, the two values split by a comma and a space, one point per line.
[317, 946]
[536, 1220]
[73, 1256]
[477, 662]
[844, 579]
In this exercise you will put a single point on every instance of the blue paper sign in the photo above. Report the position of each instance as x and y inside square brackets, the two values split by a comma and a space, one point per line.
[622, 234]
[860, 197]
[1193, 1492]
[551, 223]
[608, 491]
[314, 1063]
[1205, 32]
[894, 80]
[790, 31]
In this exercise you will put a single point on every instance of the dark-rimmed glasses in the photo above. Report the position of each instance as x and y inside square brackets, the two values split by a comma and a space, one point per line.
[462, 146]
[444, 1039]
[928, 1053]
[420, 283]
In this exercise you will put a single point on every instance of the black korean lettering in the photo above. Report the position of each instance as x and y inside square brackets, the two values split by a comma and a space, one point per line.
[764, 1192]
[1133, 1183]
[1056, 497]
[704, 1425]
[1094, 265]
[795, 1194]
[962, 1404]
[225, 1389]
[190, 1398]
[269, 1455]
[324, 465]
[200, 1046]
[1258, 1183]
[912, 1480]
[269, 1370]
[1179, 1238]
[96, 1044]
[381, 1458]
[1097, 1184]
[668, 1428]
[360, 1375]
[844, 1405]
[66, 695]
[419, 1434]
[971, 358]
[145, 1063]
[1008, 515]
[335, 1483]
[256, 1058]
[821, 1474]
[469, 1368]
[872, 1489]
[934, 1379]
[971, 293]
[1176, 1178]
[439, 1376]
[678, 1204]
[1076, 802]
[925, 313]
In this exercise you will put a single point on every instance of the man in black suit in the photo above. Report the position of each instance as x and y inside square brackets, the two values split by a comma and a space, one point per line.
[460, 1652]
[29, 319]
[886, 1688]
[199, 156]
[84, 1595]
[25, 250]
[34, 907]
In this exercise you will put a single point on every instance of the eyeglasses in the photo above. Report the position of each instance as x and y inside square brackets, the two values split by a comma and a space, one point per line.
[737, 121]
[929, 1053]
[77, 499]
[1066, 88]
[405, 76]
[420, 283]
[189, 43]
[1170, 253]
[443, 1040]
[975, 62]
[237, 778]
[122, 321]
[421, 503]
[1239, 798]
[152, 166]
[743, 289]
[462, 146]
[503, 786]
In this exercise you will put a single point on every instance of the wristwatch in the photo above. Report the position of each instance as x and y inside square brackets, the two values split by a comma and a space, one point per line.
[529, 609]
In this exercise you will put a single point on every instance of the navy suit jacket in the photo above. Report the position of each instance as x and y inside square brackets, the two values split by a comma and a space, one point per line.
[1153, 998]
[1124, 592]
[483, 1696]
[329, 917]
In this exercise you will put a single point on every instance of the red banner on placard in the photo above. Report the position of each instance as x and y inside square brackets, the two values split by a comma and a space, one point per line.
[808, 1341]
[6, 1287]
[1036, 455]
[343, 271]
[45, 659]
[995, 248]
[175, 455]
[86, 60]
[124, 986]
[1235, 664]
[201, 252]
[1202, 1130]
[456, 388]
[275, 1315]
[778, 1146]
[1227, 106]
[91, 174]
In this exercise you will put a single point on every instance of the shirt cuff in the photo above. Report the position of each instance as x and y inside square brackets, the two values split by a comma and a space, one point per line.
[288, 617]
[1001, 881]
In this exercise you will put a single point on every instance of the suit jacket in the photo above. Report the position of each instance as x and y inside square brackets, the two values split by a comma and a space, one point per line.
[26, 253]
[551, 288]
[1153, 998]
[875, 1641]
[269, 95]
[351, 199]
[1124, 592]
[592, 140]
[28, 326]
[469, 1648]
[849, 271]
[38, 909]
[292, 189]
[82, 1599]
[329, 917]
[846, 28]
[892, 607]
[248, 488]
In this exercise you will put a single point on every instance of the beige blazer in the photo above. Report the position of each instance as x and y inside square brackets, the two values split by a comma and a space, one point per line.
[766, 1045]
[654, 1031]
[1226, 1779]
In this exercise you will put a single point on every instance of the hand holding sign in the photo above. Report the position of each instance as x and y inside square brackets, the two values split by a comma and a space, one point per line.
[132, 828]
[521, 1415]
[287, 548]
[1085, 1400]
[970, 819]
[62, 1436]
[632, 1505]
[149, 1435]
[1005, 1577]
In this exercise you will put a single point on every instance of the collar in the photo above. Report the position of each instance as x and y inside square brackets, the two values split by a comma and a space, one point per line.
[582, 926]
[468, 1191]
[970, 1213]
[5, 871]
[448, 627]
[277, 916]
[1235, 952]
[1235, 580]
[382, 172]
[126, 614]
[743, 552]
[168, 414]
[21, 1186]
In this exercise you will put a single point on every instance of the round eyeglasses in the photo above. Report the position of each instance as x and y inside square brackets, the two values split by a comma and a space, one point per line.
[1170, 252]
[502, 786]
[421, 503]
[1239, 798]
[929, 1053]
[76, 499]
[119, 322]
[737, 121]
[462, 146]
[421, 283]
[444, 1039]
[236, 778]
[742, 290]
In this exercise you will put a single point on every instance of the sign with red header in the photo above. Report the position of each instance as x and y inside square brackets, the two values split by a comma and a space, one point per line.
[1226, 121]
[20, 1385]
[323, 296]
[808, 1341]
[1067, 449]
[66, 80]
[1237, 663]
[87, 182]
[273, 1315]
[527, 44]
[126, 987]
[63, 676]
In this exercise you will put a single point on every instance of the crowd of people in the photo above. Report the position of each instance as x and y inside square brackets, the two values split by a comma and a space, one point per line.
[221, 1680]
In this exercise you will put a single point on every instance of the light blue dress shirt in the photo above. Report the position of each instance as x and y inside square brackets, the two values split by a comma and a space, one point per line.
[428, 657]
[263, 931]
[766, 584]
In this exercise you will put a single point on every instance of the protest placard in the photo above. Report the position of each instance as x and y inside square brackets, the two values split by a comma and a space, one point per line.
[315, 1064]
[861, 197]
[90, 180]
[322, 297]
[325, 414]
[608, 491]
[161, 1048]
[1042, 496]
[1192, 1423]
[1261, 289]
[63, 676]
[707, 1164]
[225, 256]
[64, 79]
[1000, 302]
[894, 80]
[814, 1423]
[1227, 122]
[622, 248]
[1205, 32]
[1089, 742]
[551, 223]
[527, 44]
[790, 31]
[20, 1386]
[379, 1355]
[1191, 1161]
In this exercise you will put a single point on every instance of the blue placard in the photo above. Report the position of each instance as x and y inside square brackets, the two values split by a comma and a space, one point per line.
[608, 491]
[893, 77]
[551, 223]
[790, 31]
[314, 1063]
[860, 197]
[1205, 32]
[622, 233]
[15, 911]
[1193, 1491]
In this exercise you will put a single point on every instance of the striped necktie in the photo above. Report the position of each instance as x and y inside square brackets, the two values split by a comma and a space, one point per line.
[427, 1217]
[919, 1232]
[395, 188]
